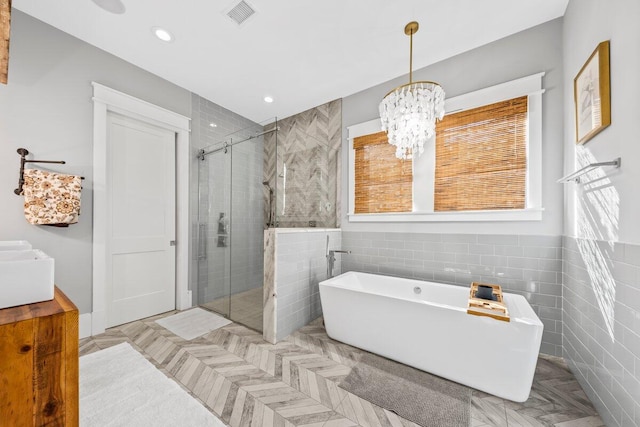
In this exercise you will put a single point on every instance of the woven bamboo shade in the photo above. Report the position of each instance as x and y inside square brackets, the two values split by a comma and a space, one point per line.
[383, 183]
[5, 26]
[481, 158]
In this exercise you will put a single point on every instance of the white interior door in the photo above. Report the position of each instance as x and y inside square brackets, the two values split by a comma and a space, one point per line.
[140, 192]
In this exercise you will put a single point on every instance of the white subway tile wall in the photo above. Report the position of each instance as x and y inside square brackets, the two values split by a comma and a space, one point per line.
[527, 265]
[301, 264]
[601, 325]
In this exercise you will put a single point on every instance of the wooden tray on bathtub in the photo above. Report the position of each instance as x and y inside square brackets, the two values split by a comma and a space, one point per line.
[496, 309]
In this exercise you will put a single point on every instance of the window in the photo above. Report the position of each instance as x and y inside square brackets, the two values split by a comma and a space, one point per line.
[383, 183]
[481, 158]
[483, 165]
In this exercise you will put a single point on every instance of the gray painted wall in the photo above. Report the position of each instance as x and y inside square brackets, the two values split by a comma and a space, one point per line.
[613, 204]
[601, 336]
[522, 54]
[47, 108]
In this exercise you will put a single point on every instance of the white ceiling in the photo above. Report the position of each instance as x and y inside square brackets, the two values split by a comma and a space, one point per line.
[303, 53]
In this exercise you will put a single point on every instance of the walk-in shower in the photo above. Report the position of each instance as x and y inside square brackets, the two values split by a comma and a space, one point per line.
[231, 225]
[277, 174]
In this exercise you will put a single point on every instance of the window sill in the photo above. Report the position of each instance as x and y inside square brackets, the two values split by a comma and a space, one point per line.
[466, 216]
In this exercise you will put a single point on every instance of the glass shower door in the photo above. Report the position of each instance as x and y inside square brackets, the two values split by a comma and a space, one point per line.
[214, 231]
[247, 232]
[230, 228]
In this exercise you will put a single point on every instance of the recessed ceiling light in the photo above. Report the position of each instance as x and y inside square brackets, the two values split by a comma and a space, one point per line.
[162, 34]
[268, 99]
[213, 125]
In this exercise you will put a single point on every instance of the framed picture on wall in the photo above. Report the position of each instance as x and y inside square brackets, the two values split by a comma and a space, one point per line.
[591, 93]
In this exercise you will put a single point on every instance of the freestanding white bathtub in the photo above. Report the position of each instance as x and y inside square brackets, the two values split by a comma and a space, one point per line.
[426, 325]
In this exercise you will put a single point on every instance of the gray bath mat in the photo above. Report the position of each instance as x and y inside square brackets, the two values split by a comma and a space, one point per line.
[420, 397]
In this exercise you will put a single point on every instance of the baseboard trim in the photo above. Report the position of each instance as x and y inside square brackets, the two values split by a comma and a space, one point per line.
[94, 323]
[85, 325]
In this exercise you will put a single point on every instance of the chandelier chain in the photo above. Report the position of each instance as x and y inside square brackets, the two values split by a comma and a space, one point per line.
[411, 57]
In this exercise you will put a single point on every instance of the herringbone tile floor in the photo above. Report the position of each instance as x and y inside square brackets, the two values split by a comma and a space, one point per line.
[246, 381]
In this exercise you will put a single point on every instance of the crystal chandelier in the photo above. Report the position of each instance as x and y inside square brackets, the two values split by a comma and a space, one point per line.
[409, 112]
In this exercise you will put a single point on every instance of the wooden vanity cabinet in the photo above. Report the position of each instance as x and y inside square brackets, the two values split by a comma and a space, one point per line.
[39, 364]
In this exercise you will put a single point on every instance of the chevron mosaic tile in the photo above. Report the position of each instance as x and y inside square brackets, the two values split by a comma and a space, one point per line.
[308, 145]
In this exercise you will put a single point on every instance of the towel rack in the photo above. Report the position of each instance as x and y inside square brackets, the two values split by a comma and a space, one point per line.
[24, 152]
[575, 176]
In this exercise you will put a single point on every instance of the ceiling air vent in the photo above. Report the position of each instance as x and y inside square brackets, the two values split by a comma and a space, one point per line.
[241, 12]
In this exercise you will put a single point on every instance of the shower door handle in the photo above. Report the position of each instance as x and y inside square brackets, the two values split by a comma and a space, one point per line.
[202, 240]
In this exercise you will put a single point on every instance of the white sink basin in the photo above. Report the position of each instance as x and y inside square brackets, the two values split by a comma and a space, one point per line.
[25, 277]
[14, 245]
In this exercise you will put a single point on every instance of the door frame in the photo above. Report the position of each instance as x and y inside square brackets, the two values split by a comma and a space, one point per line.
[107, 100]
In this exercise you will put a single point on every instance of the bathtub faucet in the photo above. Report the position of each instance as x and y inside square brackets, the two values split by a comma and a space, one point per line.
[331, 258]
